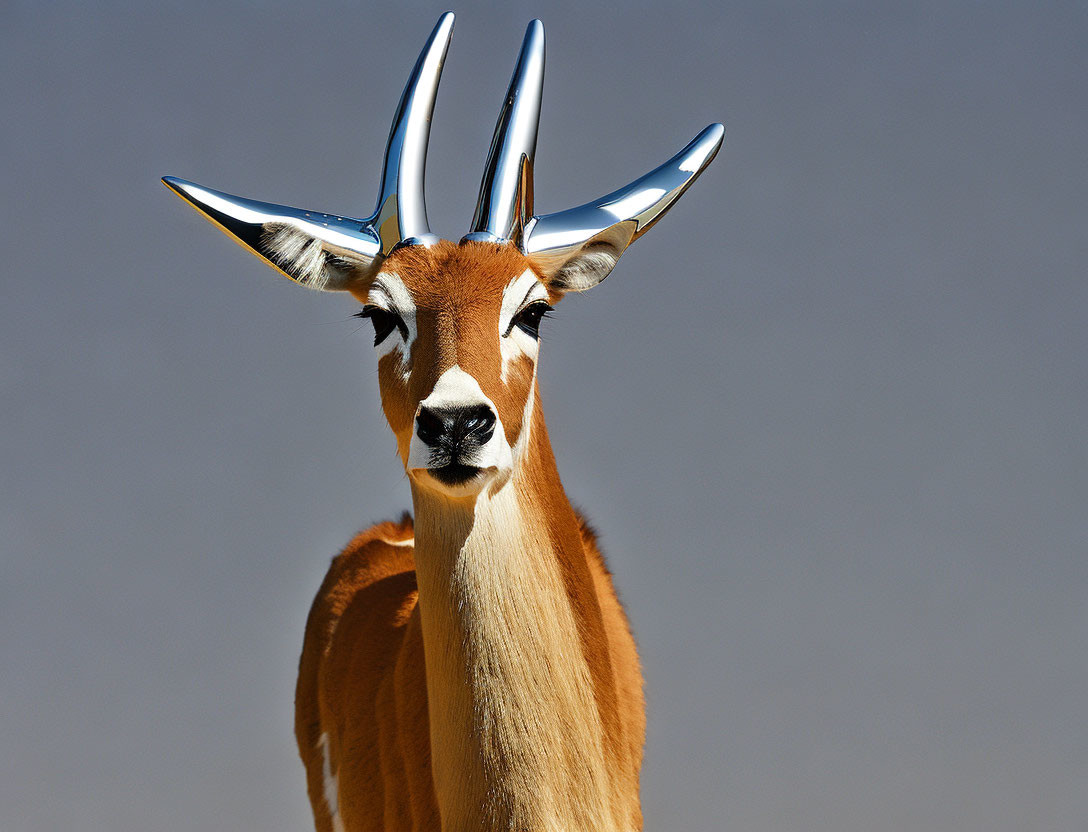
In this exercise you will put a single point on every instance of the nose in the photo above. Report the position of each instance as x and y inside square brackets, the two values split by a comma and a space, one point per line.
[454, 426]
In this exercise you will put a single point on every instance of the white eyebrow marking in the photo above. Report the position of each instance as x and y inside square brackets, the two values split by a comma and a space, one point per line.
[388, 292]
[518, 293]
[515, 295]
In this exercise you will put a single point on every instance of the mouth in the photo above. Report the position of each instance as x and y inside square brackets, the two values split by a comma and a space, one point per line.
[455, 473]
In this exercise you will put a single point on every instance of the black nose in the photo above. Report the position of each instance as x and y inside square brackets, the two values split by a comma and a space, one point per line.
[456, 425]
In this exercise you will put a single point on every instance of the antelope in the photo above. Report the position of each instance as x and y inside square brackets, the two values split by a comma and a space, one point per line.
[471, 668]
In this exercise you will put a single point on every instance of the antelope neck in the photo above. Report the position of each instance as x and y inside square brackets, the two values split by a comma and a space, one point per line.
[520, 695]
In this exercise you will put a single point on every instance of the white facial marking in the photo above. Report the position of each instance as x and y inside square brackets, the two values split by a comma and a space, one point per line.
[456, 389]
[519, 293]
[389, 293]
[331, 786]
[516, 295]
[522, 442]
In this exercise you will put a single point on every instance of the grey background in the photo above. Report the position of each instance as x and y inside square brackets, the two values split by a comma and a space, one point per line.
[829, 417]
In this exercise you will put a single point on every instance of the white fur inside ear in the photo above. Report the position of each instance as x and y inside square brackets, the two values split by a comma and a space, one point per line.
[303, 257]
[585, 269]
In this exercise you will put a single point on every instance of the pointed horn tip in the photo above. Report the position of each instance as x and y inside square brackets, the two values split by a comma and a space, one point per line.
[534, 35]
[184, 188]
[178, 186]
[442, 32]
[706, 145]
[715, 133]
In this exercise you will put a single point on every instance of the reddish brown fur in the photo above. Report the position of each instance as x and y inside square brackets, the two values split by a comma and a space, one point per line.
[458, 293]
[362, 679]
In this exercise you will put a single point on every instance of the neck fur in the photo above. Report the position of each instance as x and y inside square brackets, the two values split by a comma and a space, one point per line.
[515, 690]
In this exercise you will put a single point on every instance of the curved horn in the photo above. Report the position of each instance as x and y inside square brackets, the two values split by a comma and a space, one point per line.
[613, 222]
[326, 251]
[400, 217]
[505, 204]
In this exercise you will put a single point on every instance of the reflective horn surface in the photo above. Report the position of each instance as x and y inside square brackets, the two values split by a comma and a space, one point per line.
[506, 193]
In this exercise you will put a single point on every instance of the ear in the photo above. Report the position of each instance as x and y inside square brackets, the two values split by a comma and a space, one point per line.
[317, 250]
[310, 261]
[587, 265]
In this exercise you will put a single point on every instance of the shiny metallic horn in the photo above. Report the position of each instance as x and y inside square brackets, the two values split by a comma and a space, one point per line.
[615, 221]
[400, 217]
[506, 193]
[324, 251]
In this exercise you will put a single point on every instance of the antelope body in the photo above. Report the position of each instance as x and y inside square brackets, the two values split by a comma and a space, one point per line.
[472, 669]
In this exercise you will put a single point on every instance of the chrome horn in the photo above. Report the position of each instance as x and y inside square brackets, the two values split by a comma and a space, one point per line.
[573, 249]
[324, 251]
[505, 205]
[504, 212]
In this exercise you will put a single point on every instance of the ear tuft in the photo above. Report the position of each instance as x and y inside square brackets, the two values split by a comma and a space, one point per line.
[304, 258]
[586, 269]
[588, 265]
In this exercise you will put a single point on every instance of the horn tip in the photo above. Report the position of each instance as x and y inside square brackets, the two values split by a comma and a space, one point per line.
[443, 29]
[713, 134]
[534, 34]
[178, 185]
[707, 144]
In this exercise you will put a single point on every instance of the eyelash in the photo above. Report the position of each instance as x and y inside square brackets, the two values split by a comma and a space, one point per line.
[527, 320]
[384, 322]
[538, 310]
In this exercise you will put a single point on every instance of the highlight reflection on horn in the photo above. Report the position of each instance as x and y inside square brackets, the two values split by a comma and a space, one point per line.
[326, 251]
[505, 204]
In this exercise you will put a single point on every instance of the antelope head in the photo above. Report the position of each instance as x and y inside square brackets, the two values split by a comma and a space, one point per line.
[456, 325]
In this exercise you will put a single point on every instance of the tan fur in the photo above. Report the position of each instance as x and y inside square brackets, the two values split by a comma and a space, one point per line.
[473, 670]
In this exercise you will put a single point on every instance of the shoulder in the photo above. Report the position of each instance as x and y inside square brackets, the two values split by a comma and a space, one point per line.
[382, 551]
[397, 534]
[377, 552]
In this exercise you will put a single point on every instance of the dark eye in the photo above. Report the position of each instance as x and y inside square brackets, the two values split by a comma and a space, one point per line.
[528, 319]
[384, 322]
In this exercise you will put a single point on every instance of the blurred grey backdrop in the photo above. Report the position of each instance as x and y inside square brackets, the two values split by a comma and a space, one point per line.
[829, 417]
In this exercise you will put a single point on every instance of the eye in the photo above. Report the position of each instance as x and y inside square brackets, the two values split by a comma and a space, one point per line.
[384, 322]
[528, 319]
